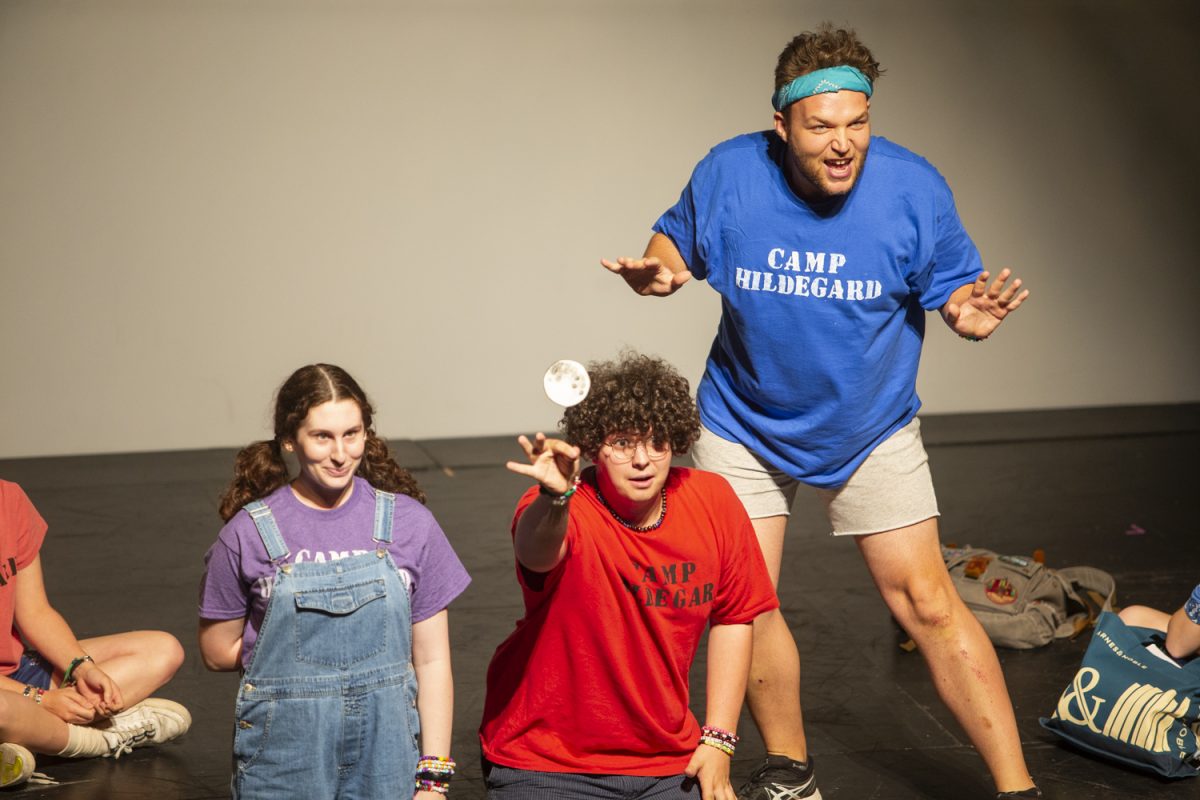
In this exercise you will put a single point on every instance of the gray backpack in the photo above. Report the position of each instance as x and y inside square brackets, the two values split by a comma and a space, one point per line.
[1022, 603]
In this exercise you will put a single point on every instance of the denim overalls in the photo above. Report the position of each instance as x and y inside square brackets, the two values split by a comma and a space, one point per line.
[327, 706]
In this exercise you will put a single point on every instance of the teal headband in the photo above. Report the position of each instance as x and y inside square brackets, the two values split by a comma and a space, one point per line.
[831, 79]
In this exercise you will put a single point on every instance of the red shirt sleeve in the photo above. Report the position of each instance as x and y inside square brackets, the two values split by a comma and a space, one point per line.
[25, 530]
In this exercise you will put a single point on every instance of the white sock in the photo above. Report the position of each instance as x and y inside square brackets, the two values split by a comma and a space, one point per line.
[84, 742]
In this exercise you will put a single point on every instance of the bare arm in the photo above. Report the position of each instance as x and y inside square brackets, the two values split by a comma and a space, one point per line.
[221, 643]
[541, 537]
[47, 632]
[728, 671]
[541, 534]
[435, 684]
[659, 272]
[1183, 636]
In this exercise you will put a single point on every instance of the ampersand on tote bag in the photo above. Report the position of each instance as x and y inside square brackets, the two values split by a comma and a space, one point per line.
[1132, 703]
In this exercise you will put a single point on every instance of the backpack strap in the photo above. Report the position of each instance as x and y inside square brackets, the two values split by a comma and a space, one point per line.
[1091, 580]
[1097, 584]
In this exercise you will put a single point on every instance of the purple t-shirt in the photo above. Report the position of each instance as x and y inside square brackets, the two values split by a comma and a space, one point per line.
[238, 575]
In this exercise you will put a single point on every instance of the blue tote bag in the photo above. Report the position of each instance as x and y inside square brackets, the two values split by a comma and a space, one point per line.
[1128, 704]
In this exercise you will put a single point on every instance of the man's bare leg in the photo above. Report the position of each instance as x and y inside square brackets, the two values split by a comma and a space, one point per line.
[907, 566]
[773, 693]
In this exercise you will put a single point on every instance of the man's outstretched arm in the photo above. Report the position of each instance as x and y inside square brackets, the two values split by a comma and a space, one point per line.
[659, 272]
[975, 310]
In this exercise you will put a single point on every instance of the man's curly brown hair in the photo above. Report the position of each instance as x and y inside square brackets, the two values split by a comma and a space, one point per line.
[636, 394]
[825, 47]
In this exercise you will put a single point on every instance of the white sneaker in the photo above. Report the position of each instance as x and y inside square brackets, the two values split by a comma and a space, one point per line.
[152, 721]
[16, 764]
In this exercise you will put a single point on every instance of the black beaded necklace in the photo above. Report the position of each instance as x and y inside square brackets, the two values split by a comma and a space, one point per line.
[637, 528]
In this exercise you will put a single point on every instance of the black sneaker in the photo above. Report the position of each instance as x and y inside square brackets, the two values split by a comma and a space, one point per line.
[1032, 791]
[780, 778]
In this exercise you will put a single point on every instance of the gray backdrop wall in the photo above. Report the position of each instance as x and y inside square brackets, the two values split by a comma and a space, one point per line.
[198, 197]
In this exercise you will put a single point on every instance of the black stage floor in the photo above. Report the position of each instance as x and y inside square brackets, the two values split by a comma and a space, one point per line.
[128, 533]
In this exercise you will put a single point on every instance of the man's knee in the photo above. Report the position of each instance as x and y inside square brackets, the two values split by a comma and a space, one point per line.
[928, 603]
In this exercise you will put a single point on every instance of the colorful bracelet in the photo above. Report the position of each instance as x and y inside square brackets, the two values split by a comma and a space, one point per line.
[719, 733]
[69, 675]
[724, 747]
[441, 787]
[559, 499]
[972, 338]
[436, 765]
[723, 740]
[434, 773]
[34, 692]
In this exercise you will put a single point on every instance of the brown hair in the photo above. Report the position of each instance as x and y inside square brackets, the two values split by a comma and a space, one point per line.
[260, 468]
[633, 394]
[825, 47]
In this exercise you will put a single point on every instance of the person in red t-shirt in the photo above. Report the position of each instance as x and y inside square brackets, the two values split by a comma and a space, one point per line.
[61, 695]
[622, 567]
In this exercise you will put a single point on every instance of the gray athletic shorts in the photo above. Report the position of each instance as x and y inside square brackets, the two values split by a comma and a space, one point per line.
[891, 489]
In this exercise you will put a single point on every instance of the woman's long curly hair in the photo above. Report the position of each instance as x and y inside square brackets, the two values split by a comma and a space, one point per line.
[635, 394]
[260, 468]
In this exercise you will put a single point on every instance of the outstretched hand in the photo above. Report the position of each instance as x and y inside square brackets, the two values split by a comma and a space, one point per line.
[552, 462]
[710, 768]
[980, 312]
[648, 276]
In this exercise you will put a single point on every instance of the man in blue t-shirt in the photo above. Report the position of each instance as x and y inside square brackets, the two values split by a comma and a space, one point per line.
[826, 262]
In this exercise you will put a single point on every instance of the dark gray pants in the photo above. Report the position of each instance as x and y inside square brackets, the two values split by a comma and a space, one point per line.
[506, 783]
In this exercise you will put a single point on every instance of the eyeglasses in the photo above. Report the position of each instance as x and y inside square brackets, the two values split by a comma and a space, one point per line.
[624, 448]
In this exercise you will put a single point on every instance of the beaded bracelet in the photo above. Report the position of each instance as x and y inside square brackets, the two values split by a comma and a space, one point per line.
[971, 338]
[724, 747]
[434, 773]
[723, 740]
[34, 692]
[425, 785]
[69, 675]
[559, 500]
[436, 765]
[723, 735]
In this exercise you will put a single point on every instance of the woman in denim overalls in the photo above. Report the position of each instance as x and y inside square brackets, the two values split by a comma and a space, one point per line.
[328, 591]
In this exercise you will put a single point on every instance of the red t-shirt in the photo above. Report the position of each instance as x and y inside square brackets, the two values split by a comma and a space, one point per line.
[595, 677]
[22, 530]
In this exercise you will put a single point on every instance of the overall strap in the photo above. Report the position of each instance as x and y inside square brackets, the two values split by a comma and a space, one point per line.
[268, 530]
[385, 503]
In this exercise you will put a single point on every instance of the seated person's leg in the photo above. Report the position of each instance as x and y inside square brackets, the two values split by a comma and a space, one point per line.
[25, 722]
[139, 661]
[1145, 617]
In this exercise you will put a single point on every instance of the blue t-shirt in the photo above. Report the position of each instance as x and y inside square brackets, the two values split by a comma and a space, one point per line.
[823, 310]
